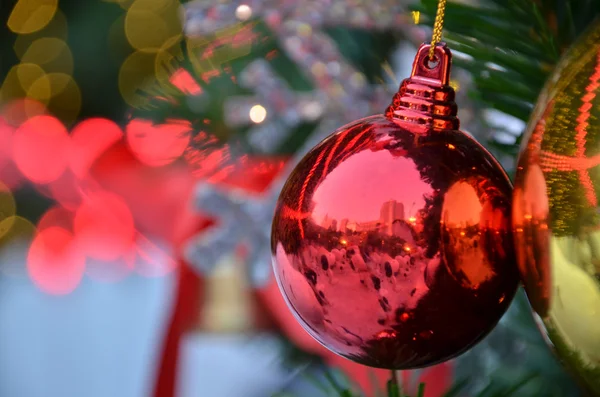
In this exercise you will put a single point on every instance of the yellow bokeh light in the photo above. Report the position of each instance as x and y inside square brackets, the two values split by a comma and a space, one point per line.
[155, 5]
[60, 93]
[8, 206]
[304, 30]
[117, 42]
[40, 90]
[258, 114]
[29, 16]
[57, 28]
[16, 235]
[18, 81]
[136, 73]
[51, 53]
[150, 24]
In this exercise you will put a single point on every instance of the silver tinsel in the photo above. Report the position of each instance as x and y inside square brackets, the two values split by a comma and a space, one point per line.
[242, 218]
[342, 94]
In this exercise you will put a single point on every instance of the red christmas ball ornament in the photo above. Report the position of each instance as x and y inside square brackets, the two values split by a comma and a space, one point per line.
[391, 239]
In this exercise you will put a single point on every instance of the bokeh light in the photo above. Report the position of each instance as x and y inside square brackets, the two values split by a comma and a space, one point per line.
[54, 263]
[6, 133]
[19, 80]
[17, 235]
[149, 24]
[243, 12]
[56, 216]
[8, 207]
[137, 72]
[158, 144]
[66, 190]
[60, 93]
[29, 16]
[18, 111]
[51, 54]
[89, 139]
[57, 28]
[40, 148]
[258, 114]
[104, 226]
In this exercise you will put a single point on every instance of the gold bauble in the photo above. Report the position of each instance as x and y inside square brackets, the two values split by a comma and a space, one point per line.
[556, 212]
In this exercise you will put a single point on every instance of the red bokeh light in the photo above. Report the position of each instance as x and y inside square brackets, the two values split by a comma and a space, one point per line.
[40, 147]
[66, 190]
[56, 216]
[20, 110]
[54, 262]
[6, 134]
[158, 144]
[11, 176]
[104, 226]
[89, 139]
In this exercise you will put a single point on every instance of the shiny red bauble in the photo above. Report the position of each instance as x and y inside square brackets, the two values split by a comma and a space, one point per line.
[391, 239]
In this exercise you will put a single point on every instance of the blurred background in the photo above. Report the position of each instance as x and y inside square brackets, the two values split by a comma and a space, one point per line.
[142, 147]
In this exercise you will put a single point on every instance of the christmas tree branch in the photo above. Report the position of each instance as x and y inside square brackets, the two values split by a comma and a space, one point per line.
[511, 46]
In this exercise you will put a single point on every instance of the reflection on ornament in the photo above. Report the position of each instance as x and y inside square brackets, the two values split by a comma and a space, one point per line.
[360, 276]
[555, 216]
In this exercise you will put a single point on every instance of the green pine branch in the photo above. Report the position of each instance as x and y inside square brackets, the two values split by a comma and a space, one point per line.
[511, 46]
[331, 387]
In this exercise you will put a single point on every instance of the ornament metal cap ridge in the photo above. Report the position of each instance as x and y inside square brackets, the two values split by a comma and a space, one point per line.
[426, 99]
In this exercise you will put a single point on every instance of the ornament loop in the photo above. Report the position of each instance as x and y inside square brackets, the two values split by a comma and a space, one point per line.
[426, 99]
[434, 71]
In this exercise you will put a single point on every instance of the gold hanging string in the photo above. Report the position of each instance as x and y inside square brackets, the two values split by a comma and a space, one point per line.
[438, 26]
